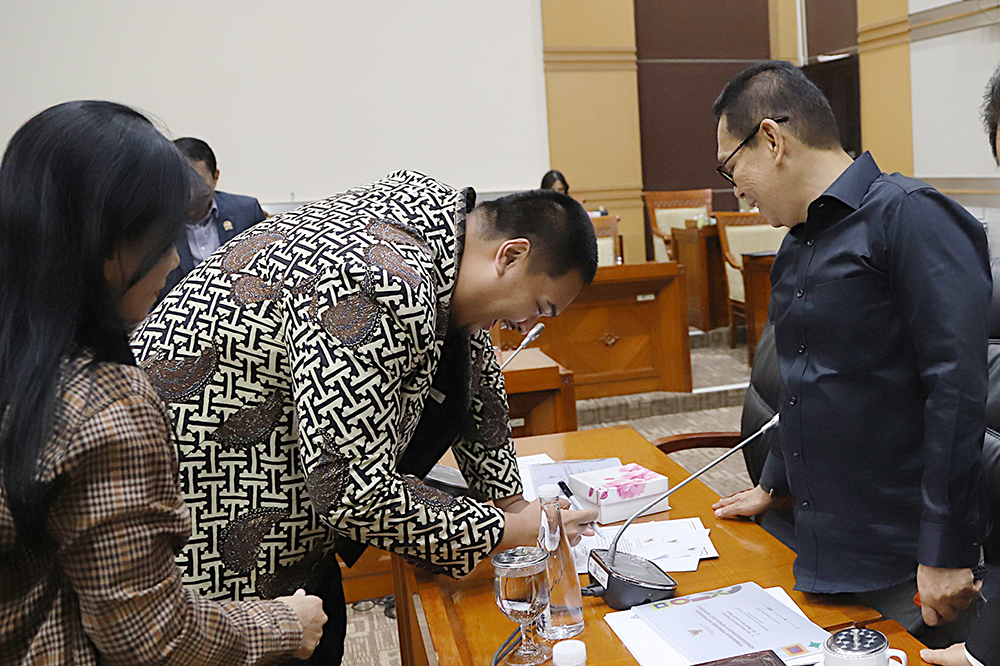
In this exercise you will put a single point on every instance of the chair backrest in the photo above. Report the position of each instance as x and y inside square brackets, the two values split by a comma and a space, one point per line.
[744, 233]
[667, 210]
[609, 243]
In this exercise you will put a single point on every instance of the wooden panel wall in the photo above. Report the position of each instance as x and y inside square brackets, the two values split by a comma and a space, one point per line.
[687, 51]
[593, 110]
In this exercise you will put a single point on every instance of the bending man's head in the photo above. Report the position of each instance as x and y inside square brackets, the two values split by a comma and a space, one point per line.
[774, 125]
[527, 255]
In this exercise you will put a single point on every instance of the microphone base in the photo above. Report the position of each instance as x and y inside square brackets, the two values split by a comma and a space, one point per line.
[630, 580]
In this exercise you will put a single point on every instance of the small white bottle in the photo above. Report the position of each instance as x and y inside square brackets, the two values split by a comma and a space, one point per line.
[569, 653]
[563, 617]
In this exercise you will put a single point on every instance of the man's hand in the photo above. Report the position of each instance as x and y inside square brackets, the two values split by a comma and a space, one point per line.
[521, 524]
[953, 656]
[747, 503]
[944, 593]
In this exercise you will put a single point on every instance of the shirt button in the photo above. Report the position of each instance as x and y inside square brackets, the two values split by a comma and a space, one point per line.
[805, 505]
[810, 242]
[792, 400]
[799, 293]
[795, 456]
[802, 349]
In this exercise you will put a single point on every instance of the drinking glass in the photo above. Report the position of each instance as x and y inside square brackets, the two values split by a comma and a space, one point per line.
[522, 592]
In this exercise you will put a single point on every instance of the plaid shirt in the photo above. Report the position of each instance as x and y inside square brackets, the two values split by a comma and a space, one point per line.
[109, 590]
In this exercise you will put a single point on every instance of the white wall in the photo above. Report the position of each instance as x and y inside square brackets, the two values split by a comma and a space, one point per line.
[948, 78]
[300, 96]
[923, 5]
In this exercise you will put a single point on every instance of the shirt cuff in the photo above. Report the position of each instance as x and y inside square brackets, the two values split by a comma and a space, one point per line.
[972, 660]
[772, 478]
[947, 546]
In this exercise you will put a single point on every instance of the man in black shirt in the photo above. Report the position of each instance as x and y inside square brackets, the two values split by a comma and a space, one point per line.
[983, 646]
[880, 292]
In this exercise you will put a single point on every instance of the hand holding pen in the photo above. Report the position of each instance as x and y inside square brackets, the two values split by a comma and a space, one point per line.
[563, 486]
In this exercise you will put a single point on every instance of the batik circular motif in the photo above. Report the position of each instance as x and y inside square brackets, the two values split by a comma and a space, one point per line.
[352, 320]
[239, 255]
[327, 478]
[299, 575]
[391, 261]
[176, 378]
[248, 289]
[442, 314]
[424, 494]
[393, 233]
[239, 543]
[250, 425]
[491, 426]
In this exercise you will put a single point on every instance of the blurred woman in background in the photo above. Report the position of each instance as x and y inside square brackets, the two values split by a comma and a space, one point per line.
[92, 197]
[554, 180]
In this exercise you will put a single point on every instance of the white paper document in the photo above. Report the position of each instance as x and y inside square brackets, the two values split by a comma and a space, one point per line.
[650, 649]
[674, 545]
[524, 464]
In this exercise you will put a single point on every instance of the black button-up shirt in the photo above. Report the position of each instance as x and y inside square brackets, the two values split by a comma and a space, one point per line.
[880, 301]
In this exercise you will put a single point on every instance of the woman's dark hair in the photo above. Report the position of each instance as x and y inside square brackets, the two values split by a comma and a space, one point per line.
[553, 177]
[76, 181]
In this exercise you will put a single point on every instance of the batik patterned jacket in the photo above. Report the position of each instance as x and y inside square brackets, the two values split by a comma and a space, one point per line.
[296, 361]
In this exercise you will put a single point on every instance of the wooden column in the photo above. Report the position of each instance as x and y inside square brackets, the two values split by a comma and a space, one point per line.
[593, 108]
[886, 111]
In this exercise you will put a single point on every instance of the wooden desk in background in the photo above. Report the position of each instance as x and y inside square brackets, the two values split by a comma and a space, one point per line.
[699, 252]
[465, 627]
[627, 332]
[540, 394]
[757, 292]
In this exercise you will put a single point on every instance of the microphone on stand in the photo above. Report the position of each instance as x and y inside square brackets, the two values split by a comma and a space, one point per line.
[528, 339]
[629, 580]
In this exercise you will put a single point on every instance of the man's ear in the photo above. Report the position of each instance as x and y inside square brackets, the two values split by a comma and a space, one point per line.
[512, 252]
[215, 178]
[774, 140]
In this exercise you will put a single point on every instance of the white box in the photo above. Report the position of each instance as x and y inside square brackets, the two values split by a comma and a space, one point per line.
[618, 492]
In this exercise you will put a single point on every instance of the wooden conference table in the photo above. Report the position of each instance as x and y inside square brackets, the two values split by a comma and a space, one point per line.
[457, 622]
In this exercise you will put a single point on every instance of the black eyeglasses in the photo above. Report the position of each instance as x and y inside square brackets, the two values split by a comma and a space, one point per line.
[721, 169]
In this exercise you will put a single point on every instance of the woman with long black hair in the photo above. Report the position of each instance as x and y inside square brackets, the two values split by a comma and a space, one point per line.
[92, 197]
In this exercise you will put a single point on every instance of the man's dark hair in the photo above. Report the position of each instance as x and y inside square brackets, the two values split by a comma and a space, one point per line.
[197, 151]
[991, 110]
[774, 88]
[557, 226]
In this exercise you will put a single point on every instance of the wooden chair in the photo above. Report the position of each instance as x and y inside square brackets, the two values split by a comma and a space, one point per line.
[609, 243]
[739, 234]
[697, 440]
[666, 210]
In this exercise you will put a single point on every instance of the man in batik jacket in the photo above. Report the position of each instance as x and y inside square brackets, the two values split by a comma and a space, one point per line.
[316, 359]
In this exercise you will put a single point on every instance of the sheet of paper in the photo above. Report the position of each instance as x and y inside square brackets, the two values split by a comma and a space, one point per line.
[651, 650]
[554, 472]
[672, 547]
[734, 620]
[524, 464]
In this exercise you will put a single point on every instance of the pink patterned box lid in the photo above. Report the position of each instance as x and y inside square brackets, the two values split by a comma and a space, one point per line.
[618, 484]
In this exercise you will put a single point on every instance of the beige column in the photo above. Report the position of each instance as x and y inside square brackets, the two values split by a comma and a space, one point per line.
[783, 24]
[884, 53]
[593, 108]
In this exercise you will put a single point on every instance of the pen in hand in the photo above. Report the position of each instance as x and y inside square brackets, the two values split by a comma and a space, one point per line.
[576, 505]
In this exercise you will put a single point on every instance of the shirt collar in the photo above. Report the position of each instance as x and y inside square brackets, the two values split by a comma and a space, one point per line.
[852, 185]
[212, 213]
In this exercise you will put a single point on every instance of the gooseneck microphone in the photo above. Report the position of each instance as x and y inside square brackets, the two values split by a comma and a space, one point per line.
[629, 580]
[528, 339]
